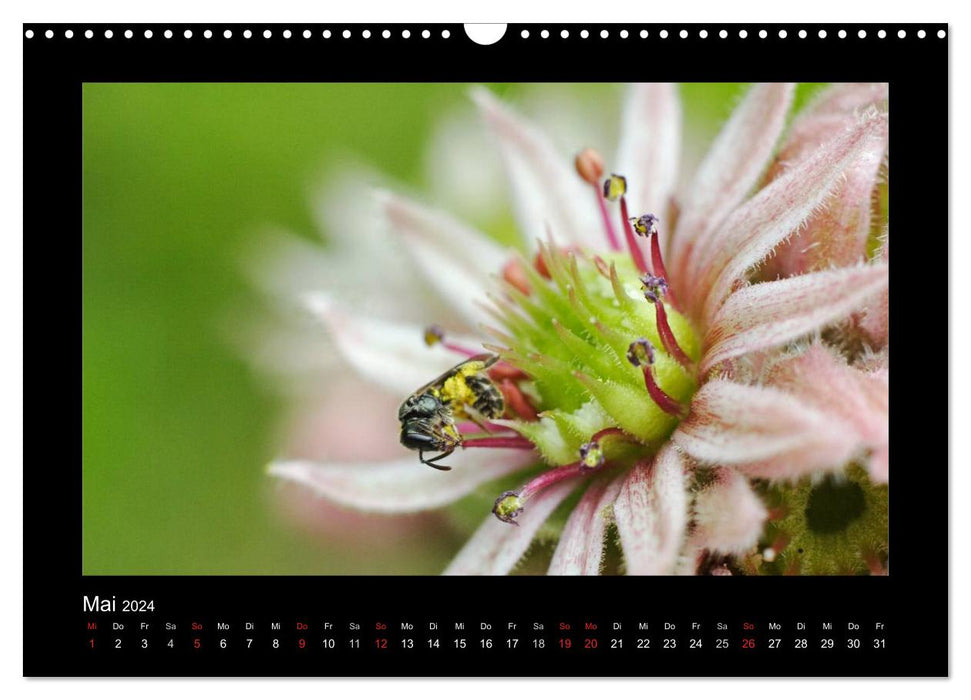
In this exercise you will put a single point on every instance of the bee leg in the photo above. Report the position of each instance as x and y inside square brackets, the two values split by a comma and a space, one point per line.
[431, 462]
[475, 418]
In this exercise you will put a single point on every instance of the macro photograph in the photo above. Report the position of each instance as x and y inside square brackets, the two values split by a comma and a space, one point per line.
[485, 329]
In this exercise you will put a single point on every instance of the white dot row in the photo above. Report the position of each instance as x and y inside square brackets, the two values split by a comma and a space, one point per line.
[246, 34]
[723, 34]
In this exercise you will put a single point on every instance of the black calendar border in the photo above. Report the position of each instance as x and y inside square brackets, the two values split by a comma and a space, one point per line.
[913, 600]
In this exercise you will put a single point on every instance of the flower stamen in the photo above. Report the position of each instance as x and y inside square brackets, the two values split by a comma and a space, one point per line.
[591, 456]
[434, 335]
[641, 354]
[656, 287]
[512, 442]
[511, 504]
[590, 167]
[646, 225]
[614, 188]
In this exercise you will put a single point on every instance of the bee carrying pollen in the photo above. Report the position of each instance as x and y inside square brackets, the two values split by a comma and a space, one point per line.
[464, 392]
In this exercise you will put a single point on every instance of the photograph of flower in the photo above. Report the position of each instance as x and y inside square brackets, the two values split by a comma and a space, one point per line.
[532, 329]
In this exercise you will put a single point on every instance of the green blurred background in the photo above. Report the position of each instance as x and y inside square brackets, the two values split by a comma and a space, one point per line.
[178, 181]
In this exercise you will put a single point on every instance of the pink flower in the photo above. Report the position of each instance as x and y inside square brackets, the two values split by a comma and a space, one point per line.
[673, 379]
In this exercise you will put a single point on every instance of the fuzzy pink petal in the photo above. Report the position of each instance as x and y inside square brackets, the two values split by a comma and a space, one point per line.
[650, 146]
[730, 169]
[839, 232]
[392, 355]
[833, 110]
[847, 98]
[876, 321]
[651, 513]
[456, 259]
[859, 399]
[401, 485]
[729, 516]
[768, 314]
[757, 227]
[580, 549]
[496, 546]
[763, 432]
[547, 193]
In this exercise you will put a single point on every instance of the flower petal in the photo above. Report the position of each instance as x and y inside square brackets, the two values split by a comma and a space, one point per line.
[650, 146]
[831, 112]
[456, 259]
[392, 355]
[876, 321]
[651, 514]
[730, 169]
[496, 546]
[547, 193]
[729, 516]
[758, 226]
[859, 399]
[767, 314]
[580, 549]
[839, 232]
[848, 98]
[402, 485]
[763, 432]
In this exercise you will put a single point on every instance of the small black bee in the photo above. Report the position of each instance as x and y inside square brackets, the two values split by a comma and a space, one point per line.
[428, 416]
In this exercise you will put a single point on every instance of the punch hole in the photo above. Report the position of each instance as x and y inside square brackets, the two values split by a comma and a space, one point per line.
[485, 34]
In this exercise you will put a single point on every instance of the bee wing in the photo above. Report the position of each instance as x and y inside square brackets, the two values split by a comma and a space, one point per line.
[473, 365]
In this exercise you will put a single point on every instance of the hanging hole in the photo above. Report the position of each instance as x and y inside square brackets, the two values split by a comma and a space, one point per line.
[485, 34]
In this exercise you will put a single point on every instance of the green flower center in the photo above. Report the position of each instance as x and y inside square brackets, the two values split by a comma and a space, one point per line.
[604, 351]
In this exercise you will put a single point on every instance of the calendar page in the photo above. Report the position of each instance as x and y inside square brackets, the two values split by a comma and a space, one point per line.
[526, 350]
